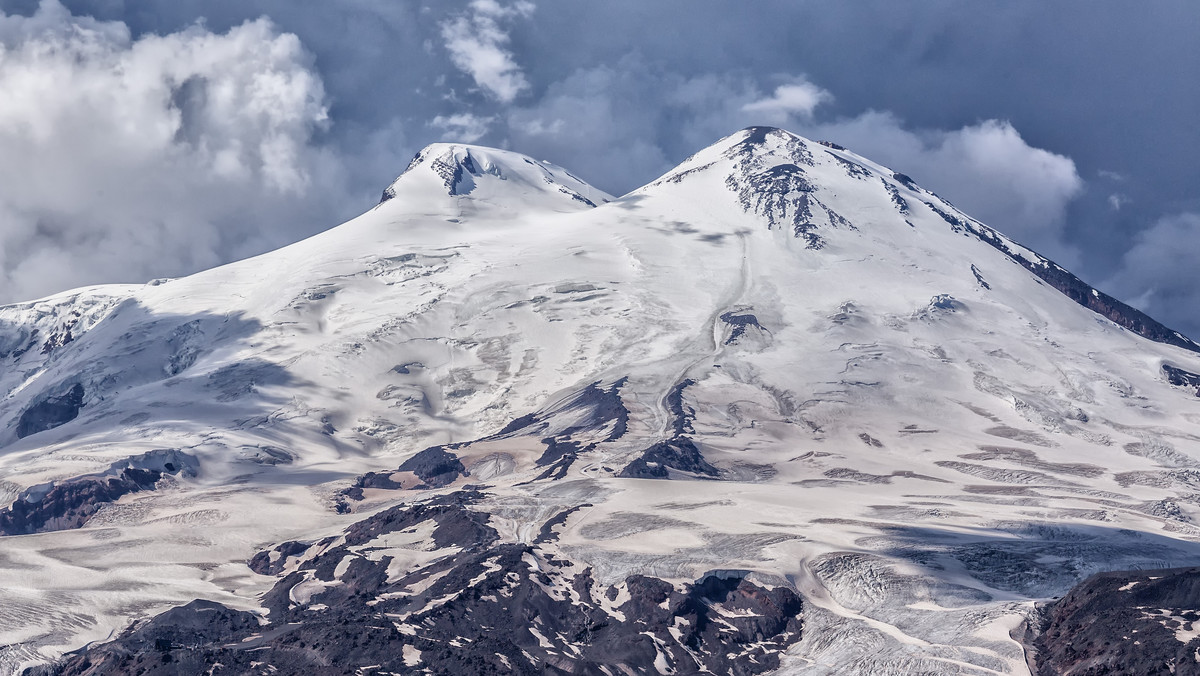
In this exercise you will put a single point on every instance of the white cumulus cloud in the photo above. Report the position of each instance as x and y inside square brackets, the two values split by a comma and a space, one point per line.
[478, 46]
[622, 125]
[1159, 272]
[797, 99]
[123, 159]
[986, 169]
[462, 127]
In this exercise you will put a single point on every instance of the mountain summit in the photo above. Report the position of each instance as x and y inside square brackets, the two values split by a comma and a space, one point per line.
[780, 410]
[489, 174]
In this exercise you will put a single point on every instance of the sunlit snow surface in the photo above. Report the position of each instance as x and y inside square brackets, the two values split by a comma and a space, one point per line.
[915, 432]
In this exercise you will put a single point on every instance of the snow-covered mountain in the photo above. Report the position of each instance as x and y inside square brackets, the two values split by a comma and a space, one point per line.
[781, 410]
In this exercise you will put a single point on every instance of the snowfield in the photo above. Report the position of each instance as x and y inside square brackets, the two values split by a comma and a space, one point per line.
[779, 358]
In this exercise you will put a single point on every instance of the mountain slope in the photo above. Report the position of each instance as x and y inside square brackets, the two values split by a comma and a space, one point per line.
[779, 365]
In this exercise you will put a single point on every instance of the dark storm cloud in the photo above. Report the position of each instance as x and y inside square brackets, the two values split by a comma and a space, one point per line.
[1068, 124]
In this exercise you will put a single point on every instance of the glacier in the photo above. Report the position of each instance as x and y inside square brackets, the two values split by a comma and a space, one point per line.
[782, 390]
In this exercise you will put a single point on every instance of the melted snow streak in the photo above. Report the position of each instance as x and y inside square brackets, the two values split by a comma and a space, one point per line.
[475, 606]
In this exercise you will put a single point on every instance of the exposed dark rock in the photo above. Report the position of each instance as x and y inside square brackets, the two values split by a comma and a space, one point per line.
[162, 646]
[560, 455]
[372, 480]
[547, 534]
[1128, 622]
[682, 413]
[979, 277]
[831, 144]
[870, 440]
[604, 407]
[459, 168]
[956, 224]
[435, 466]
[484, 608]
[69, 504]
[678, 454]
[456, 524]
[263, 564]
[405, 369]
[388, 193]
[575, 196]
[17, 339]
[906, 181]
[835, 219]
[556, 450]
[946, 303]
[62, 335]
[454, 173]
[517, 424]
[739, 322]
[853, 169]
[51, 412]
[782, 195]
[758, 135]
[899, 201]
[780, 192]
[1180, 378]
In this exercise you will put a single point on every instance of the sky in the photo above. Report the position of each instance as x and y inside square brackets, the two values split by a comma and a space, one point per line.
[152, 138]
